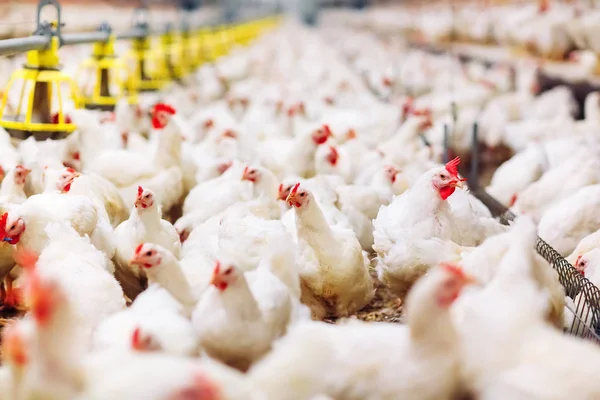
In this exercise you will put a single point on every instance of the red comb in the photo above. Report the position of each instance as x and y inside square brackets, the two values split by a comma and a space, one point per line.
[454, 269]
[71, 170]
[577, 261]
[246, 170]
[280, 187]
[326, 129]
[333, 150]
[140, 191]
[217, 267]
[3, 220]
[513, 200]
[452, 166]
[136, 338]
[163, 107]
[295, 188]
[25, 258]
[138, 249]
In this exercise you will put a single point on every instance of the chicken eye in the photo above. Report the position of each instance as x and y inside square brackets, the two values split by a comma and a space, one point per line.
[228, 271]
[302, 194]
[147, 196]
[13, 226]
[443, 176]
[148, 253]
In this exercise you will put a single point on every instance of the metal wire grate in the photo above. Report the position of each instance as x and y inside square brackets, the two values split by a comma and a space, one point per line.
[585, 307]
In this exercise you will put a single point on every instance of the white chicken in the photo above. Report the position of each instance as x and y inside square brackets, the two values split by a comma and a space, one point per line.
[144, 225]
[238, 318]
[334, 272]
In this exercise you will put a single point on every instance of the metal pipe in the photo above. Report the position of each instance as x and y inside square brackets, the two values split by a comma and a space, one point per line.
[84, 38]
[20, 45]
[135, 33]
[474, 177]
[446, 155]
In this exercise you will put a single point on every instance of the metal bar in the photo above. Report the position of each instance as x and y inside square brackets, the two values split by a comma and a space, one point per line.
[83, 38]
[446, 155]
[20, 45]
[135, 33]
[474, 176]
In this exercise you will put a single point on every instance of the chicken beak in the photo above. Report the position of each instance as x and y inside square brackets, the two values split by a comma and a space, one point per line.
[215, 280]
[470, 280]
[290, 198]
[135, 261]
[460, 183]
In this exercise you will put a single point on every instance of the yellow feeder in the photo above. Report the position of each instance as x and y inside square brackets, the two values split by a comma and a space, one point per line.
[103, 78]
[209, 39]
[173, 51]
[42, 88]
[145, 65]
[190, 47]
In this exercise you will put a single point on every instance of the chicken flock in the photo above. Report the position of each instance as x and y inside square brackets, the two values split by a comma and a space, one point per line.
[216, 241]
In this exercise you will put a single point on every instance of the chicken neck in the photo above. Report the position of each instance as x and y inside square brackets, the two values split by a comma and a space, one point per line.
[426, 198]
[430, 325]
[149, 217]
[237, 299]
[59, 348]
[301, 156]
[172, 278]
[167, 150]
[312, 226]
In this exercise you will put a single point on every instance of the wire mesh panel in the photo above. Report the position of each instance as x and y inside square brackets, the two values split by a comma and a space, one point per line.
[582, 313]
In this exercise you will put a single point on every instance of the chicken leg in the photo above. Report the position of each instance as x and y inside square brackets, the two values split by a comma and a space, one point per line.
[9, 295]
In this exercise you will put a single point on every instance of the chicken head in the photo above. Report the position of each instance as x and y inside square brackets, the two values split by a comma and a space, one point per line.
[284, 191]
[251, 174]
[332, 156]
[161, 114]
[391, 172]
[11, 228]
[321, 135]
[587, 263]
[143, 341]
[223, 276]
[446, 179]
[580, 264]
[298, 196]
[21, 175]
[65, 180]
[146, 255]
[451, 284]
[144, 198]
[224, 166]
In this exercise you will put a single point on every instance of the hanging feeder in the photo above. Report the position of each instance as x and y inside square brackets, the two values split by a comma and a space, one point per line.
[103, 77]
[146, 66]
[43, 90]
[190, 45]
[173, 52]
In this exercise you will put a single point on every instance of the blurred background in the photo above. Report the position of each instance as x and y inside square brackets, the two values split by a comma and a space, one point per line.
[17, 17]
